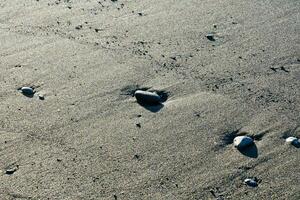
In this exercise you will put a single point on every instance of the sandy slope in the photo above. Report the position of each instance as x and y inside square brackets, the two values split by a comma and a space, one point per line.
[88, 56]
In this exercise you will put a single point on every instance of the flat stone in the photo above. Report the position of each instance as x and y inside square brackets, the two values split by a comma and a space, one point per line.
[241, 142]
[11, 170]
[146, 97]
[250, 182]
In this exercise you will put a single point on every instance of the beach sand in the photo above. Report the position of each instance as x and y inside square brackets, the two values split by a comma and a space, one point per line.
[90, 139]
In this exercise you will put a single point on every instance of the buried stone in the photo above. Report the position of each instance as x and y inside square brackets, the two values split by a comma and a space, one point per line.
[242, 142]
[250, 182]
[145, 97]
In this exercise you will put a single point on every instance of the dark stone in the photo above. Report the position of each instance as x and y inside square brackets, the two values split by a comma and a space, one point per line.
[210, 37]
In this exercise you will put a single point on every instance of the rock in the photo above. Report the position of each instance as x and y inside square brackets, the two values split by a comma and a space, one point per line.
[250, 182]
[11, 170]
[146, 97]
[211, 37]
[241, 142]
[27, 91]
[115, 197]
[41, 97]
[78, 27]
[293, 141]
[138, 125]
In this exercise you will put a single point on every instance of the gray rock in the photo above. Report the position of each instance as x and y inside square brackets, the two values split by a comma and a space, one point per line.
[250, 182]
[27, 91]
[146, 97]
[241, 142]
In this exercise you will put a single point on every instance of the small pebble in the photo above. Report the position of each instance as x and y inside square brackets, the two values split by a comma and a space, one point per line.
[41, 97]
[27, 90]
[147, 97]
[138, 125]
[241, 142]
[292, 141]
[210, 37]
[10, 171]
[136, 156]
[251, 182]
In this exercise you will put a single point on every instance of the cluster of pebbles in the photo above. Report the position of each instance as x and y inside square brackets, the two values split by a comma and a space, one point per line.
[243, 142]
[152, 98]
[240, 142]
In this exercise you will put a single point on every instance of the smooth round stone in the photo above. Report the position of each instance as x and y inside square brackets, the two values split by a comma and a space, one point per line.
[241, 142]
[27, 90]
[147, 97]
[292, 140]
[250, 182]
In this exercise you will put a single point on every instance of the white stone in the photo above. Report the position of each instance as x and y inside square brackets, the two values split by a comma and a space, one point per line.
[241, 142]
[147, 97]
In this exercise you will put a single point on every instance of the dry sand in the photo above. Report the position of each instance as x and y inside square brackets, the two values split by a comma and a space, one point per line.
[89, 139]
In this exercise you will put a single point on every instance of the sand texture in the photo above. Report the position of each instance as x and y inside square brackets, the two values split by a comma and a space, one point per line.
[223, 68]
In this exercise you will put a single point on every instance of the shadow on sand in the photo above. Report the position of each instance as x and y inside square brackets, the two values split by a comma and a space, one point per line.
[151, 107]
[250, 151]
[297, 145]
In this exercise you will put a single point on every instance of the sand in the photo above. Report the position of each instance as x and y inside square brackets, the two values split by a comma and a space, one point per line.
[87, 57]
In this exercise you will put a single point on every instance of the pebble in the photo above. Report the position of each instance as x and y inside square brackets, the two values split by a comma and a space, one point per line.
[138, 125]
[10, 171]
[147, 97]
[241, 142]
[250, 182]
[41, 97]
[211, 37]
[292, 141]
[27, 90]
